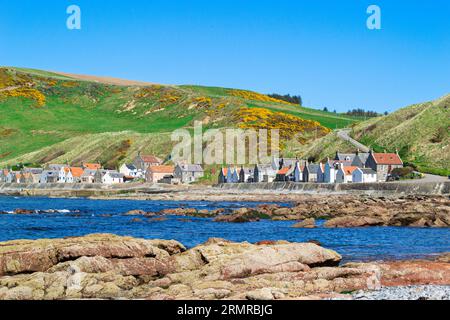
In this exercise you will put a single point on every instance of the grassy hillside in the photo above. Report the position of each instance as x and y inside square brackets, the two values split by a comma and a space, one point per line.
[421, 134]
[48, 117]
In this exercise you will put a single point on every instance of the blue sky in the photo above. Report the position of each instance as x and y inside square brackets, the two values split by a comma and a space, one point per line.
[319, 49]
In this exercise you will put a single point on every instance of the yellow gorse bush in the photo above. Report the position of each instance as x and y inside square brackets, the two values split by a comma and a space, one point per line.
[28, 93]
[250, 95]
[288, 125]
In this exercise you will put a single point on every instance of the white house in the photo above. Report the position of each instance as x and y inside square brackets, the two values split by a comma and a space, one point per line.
[129, 170]
[344, 174]
[364, 175]
[265, 173]
[331, 169]
[112, 177]
[65, 175]
[246, 175]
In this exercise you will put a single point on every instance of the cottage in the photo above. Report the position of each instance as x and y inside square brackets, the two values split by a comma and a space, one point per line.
[156, 173]
[77, 173]
[33, 175]
[285, 174]
[64, 175]
[360, 159]
[49, 176]
[99, 174]
[232, 175]
[246, 175]
[331, 168]
[321, 173]
[298, 172]
[70, 175]
[364, 175]
[347, 157]
[344, 174]
[11, 177]
[383, 164]
[222, 175]
[228, 175]
[265, 173]
[3, 174]
[88, 176]
[112, 177]
[130, 171]
[142, 162]
[188, 173]
[310, 172]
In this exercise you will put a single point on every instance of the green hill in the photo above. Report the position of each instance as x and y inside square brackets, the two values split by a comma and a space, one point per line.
[51, 117]
[421, 134]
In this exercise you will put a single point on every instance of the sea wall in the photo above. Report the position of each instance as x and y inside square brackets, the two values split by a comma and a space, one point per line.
[81, 190]
[410, 187]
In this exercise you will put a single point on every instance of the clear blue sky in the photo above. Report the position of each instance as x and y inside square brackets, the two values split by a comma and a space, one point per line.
[319, 49]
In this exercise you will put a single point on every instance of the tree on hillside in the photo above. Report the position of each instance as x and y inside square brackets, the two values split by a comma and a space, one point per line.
[362, 113]
[288, 98]
[325, 109]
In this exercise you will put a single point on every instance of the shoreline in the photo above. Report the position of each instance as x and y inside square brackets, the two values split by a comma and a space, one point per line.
[251, 192]
[107, 266]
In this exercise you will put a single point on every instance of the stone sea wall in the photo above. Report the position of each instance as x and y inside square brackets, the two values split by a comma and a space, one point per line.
[80, 189]
[410, 187]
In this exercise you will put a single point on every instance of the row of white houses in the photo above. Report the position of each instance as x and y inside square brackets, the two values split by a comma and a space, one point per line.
[344, 168]
[59, 173]
[144, 168]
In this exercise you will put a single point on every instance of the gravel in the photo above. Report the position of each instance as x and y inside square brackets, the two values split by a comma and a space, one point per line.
[423, 292]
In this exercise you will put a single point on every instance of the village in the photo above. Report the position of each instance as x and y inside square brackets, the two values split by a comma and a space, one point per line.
[355, 167]
[145, 168]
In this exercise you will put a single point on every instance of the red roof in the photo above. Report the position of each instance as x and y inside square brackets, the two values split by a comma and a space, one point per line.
[76, 172]
[387, 158]
[161, 169]
[349, 170]
[92, 166]
[283, 170]
[150, 159]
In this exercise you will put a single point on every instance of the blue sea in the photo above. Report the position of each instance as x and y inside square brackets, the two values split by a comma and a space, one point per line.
[77, 217]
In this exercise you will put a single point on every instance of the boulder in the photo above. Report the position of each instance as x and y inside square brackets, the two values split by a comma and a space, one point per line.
[24, 211]
[307, 223]
[135, 213]
[353, 221]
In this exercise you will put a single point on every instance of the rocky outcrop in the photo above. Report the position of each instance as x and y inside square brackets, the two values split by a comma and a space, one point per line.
[242, 215]
[307, 223]
[111, 267]
[341, 210]
[355, 211]
[353, 221]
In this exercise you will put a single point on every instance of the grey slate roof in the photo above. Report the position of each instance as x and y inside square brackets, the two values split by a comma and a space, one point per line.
[367, 171]
[191, 167]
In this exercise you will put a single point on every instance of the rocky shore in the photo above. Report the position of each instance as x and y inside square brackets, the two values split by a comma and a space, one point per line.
[105, 266]
[338, 210]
